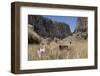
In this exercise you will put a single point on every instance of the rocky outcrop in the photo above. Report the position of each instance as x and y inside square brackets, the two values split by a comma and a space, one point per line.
[47, 28]
[33, 37]
[82, 27]
[81, 24]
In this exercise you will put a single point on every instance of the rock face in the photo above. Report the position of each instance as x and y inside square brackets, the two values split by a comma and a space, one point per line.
[82, 25]
[33, 37]
[47, 28]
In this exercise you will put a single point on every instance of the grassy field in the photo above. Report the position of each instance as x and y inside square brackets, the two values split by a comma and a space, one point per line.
[76, 50]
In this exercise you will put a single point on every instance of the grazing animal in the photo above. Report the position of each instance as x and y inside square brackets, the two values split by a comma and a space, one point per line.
[41, 51]
[67, 46]
[61, 47]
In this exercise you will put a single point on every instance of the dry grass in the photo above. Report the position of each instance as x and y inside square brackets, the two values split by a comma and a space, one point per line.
[78, 49]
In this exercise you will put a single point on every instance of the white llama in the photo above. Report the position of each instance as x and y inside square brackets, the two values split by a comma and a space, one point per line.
[41, 51]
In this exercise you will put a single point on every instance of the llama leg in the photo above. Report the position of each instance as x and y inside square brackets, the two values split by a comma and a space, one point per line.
[39, 54]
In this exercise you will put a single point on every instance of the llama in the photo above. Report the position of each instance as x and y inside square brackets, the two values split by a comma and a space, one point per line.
[41, 51]
[67, 46]
[61, 47]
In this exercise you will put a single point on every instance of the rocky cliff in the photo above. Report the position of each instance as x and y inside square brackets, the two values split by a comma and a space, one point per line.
[81, 24]
[47, 28]
[82, 27]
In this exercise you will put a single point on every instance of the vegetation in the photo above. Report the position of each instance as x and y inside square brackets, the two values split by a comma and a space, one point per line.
[77, 50]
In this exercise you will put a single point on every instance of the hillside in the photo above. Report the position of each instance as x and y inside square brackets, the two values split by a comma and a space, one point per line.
[45, 27]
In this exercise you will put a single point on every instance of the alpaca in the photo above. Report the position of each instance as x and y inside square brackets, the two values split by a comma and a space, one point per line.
[61, 47]
[67, 46]
[41, 51]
